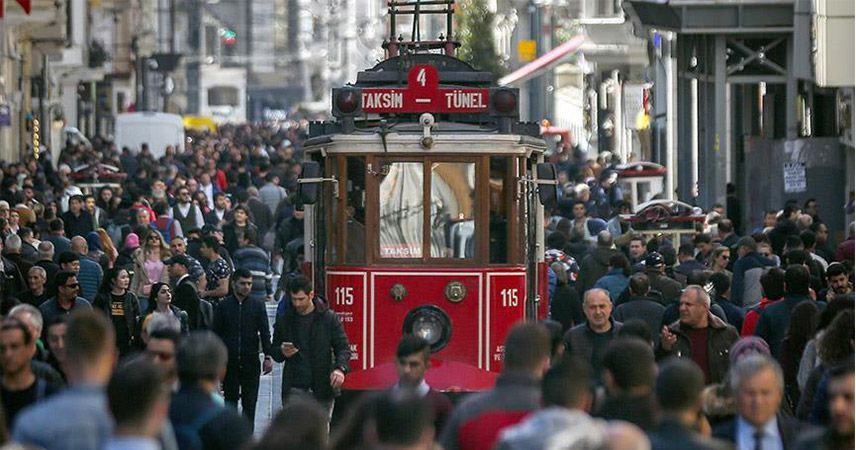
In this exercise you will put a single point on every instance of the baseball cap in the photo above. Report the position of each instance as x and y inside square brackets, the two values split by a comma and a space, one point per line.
[654, 259]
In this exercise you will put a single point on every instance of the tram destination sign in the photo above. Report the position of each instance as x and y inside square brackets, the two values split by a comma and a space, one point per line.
[423, 94]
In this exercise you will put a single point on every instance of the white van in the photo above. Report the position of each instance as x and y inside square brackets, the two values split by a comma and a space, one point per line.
[154, 128]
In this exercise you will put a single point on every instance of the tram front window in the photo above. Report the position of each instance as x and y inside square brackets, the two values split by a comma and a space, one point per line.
[452, 211]
[401, 211]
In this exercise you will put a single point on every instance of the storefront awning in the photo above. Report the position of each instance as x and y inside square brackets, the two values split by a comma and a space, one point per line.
[545, 62]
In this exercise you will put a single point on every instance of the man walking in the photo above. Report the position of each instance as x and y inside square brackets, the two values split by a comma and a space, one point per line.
[66, 299]
[19, 385]
[758, 387]
[242, 324]
[200, 313]
[195, 416]
[588, 340]
[699, 335]
[478, 421]
[310, 340]
[413, 359]
[679, 387]
[85, 422]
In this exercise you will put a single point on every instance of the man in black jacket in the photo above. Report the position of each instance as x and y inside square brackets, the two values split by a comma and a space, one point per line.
[199, 312]
[195, 416]
[679, 387]
[311, 341]
[242, 323]
[589, 339]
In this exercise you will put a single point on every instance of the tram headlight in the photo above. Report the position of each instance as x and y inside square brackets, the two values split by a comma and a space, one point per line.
[346, 102]
[430, 323]
[503, 102]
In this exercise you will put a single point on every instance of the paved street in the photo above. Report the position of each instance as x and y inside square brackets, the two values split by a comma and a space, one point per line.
[270, 388]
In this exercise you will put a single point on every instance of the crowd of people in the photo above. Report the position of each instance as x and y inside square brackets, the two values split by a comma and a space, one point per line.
[730, 338]
[161, 248]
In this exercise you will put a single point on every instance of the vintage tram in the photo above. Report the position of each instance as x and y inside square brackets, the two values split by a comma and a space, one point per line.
[424, 210]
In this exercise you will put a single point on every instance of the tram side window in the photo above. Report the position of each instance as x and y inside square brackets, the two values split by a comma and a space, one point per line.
[498, 220]
[453, 223]
[355, 209]
[401, 211]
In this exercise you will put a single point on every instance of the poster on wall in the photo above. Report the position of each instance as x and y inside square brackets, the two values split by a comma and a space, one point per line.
[794, 177]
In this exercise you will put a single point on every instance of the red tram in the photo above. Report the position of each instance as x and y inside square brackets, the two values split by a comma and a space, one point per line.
[424, 213]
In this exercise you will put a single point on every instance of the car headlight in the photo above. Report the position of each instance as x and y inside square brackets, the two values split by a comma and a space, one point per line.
[430, 323]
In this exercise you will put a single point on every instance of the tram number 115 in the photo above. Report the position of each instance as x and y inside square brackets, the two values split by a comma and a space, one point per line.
[509, 298]
[344, 295]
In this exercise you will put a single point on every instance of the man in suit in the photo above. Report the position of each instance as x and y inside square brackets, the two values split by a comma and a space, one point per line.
[200, 313]
[758, 387]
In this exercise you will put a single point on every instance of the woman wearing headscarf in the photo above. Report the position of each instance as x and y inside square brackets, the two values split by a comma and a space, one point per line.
[125, 258]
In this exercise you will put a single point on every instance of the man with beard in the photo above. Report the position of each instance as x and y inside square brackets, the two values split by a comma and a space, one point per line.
[839, 434]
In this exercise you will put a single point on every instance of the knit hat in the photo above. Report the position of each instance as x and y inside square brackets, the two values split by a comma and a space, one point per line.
[93, 240]
[132, 241]
[747, 346]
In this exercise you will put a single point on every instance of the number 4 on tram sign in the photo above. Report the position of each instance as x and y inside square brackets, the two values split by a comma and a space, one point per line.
[423, 94]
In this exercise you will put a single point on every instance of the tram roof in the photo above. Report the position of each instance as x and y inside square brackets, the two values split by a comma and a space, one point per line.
[443, 144]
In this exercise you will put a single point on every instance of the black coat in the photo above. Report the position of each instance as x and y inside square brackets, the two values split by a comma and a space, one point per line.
[330, 349]
[200, 313]
[567, 308]
[641, 308]
[242, 326]
[132, 314]
[225, 430]
[671, 435]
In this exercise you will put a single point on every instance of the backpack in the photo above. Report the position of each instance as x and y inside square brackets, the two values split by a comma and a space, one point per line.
[187, 434]
[165, 230]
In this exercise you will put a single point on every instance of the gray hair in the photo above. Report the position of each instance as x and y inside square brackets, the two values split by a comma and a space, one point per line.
[701, 294]
[201, 356]
[39, 269]
[752, 365]
[594, 291]
[13, 242]
[46, 250]
[163, 321]
[34, 316]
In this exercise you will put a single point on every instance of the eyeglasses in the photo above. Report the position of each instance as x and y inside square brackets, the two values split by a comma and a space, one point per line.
[72, 286]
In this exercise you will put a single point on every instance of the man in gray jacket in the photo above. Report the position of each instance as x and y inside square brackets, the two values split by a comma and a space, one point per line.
[564, 421]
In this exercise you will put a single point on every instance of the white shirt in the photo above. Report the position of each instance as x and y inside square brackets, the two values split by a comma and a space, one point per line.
[745, 435]
[209, 194]
[421, 390]
[184, 208]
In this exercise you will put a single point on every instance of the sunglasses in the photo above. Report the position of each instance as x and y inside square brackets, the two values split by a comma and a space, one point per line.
[72, 286]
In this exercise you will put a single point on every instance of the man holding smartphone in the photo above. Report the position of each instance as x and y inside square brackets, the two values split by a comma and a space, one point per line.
[310, 340]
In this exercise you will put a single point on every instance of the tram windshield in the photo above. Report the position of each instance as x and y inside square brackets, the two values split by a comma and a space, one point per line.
[401, 211]
[453, 223]
[436, 210]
